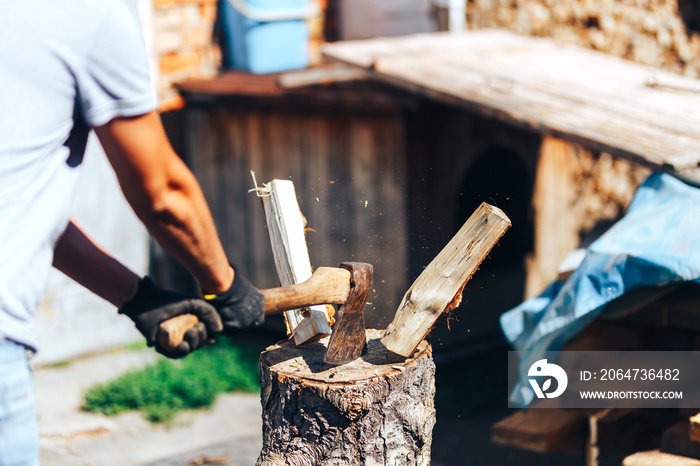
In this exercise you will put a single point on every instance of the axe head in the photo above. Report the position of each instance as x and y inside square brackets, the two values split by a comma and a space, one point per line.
[348, 340]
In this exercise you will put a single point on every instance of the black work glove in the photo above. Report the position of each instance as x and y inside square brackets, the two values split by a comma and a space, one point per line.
[151, 305]
[240, 307]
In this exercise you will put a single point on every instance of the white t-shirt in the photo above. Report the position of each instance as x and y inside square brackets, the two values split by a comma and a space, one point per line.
[65, 66]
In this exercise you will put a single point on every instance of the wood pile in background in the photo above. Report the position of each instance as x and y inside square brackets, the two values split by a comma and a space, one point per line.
[576, 191]
[661, 33]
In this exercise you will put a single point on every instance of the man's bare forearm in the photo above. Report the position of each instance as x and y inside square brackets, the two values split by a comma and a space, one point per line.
[81, 259]
[166, 197]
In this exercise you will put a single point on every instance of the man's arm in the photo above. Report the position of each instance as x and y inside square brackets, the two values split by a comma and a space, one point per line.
[166, 197]
[81, 259]
[140, 299]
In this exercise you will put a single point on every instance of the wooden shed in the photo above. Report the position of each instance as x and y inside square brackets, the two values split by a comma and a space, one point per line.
[389, 167]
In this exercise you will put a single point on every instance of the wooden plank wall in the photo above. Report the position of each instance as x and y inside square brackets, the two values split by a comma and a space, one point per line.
[391, 185]
[350, 176]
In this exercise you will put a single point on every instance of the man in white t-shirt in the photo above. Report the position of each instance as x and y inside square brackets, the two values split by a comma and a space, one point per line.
[66, 68]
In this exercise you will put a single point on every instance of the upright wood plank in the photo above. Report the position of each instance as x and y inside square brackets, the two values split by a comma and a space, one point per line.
[556, 231]
[286, 228]
[242, 222]
[204, 145]
[256, 156]
[439, 288]
[575, 191]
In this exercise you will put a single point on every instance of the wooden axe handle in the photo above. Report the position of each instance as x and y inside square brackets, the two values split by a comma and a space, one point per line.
[327, 285]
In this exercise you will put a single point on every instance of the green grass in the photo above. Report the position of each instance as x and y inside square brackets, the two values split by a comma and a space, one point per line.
[170, 386]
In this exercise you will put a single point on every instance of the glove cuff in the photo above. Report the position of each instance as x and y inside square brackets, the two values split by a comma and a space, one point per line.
[144, 291]
[242, 296]
[237, 292]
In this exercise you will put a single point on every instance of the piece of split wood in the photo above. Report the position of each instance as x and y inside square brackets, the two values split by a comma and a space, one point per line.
[285, 225]
[439, 288]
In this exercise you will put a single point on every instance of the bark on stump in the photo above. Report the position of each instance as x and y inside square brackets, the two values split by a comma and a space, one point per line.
[377, 410]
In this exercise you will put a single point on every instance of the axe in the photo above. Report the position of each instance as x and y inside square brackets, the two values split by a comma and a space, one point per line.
[348, 285]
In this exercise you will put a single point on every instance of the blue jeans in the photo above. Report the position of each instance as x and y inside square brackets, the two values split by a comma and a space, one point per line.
[19, 432]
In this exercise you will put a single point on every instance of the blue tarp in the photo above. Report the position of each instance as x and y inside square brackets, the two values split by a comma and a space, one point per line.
[656, 243]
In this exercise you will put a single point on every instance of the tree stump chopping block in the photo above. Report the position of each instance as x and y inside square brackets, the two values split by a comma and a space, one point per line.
[376, 410]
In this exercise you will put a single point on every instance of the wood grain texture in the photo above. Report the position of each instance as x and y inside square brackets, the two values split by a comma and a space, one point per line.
[575, 191]
[172, 331]
[439, 288]
[285, 225]
[598, 100]
[556, 224]
[327, 285]
[349, 338]
[378, 409]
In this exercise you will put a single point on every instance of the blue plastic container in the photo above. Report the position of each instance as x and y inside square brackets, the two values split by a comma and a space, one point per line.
[266, 36]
